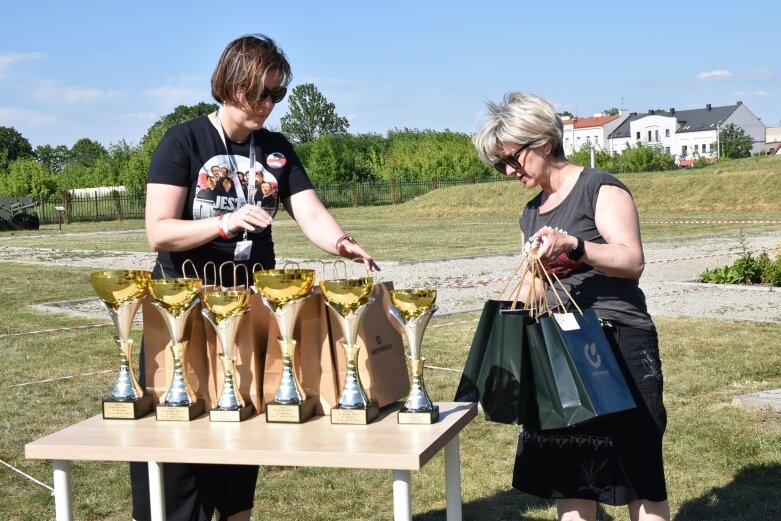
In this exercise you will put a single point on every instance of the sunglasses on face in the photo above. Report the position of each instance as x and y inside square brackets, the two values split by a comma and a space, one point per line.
[276, 95]
[511, 160]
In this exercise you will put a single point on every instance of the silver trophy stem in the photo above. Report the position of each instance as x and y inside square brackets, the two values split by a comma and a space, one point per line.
[179, 392]
[226, 331]
[418, 399]
[353, 395]
[126, 386]
[230, 400]
[289, 390]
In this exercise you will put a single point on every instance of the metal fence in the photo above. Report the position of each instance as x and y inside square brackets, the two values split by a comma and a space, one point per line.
[118, 206]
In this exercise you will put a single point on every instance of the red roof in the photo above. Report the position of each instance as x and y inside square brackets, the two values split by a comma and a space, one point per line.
[594, 121]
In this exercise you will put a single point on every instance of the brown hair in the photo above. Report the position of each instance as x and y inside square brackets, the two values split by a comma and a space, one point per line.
[245, 65]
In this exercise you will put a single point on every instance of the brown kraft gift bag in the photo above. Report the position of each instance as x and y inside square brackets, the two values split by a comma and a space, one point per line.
[382, 365]
[314, 364]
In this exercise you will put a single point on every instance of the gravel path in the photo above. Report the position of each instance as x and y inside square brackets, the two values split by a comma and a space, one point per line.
[465, 283]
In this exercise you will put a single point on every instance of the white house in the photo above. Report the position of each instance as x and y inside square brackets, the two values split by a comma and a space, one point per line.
[594, 130]
[687, 134]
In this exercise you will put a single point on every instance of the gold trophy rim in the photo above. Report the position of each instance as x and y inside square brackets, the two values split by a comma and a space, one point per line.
[118, 274]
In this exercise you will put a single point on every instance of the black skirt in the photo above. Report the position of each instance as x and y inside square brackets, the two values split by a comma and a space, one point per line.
[615, 459]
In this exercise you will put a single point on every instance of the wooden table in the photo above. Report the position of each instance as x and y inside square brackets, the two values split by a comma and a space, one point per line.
[383, 444]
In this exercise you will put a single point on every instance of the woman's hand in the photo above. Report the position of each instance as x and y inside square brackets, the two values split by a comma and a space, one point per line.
[249, 217]
[354, 252]
[550, 243]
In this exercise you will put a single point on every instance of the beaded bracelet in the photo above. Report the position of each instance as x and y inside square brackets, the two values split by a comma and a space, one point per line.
[344, 237]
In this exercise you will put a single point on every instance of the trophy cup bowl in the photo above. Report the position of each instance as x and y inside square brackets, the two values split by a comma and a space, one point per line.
[348, 300]
[175, 299]
[413, 309]
[283, 292]
[224, 310]
[121, 292]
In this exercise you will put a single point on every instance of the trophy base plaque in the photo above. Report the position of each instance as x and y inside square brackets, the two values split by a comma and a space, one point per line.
[114, 409]
[342, 416]
[179, 413]
[231, 415]
[290, 412]
[405, 417]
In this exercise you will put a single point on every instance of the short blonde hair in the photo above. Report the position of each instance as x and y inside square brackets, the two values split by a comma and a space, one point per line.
[244, 67]
[520, 119]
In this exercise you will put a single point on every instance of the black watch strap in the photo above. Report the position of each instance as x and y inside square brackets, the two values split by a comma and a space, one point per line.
[577, 252]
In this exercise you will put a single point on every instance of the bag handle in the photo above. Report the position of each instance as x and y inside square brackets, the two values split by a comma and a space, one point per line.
[531, 264]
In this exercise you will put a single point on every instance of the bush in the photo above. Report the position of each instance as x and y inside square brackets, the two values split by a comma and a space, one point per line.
[748, 269]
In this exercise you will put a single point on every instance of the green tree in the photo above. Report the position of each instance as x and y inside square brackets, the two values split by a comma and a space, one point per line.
[310, 115]
[133, 176]
[28, 178]
[86, 152]
[53, 159]
[13, 146]
[612, 111]
[642, 158]
[734, 142]
[602, 158]
[566, 113]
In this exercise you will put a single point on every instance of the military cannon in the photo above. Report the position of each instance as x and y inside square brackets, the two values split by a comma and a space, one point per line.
[16, 213]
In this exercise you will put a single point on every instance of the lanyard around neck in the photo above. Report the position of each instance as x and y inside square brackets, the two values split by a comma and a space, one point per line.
[234, 166]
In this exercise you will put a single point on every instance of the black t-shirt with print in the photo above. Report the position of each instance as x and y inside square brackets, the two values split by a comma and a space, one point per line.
[192, 155]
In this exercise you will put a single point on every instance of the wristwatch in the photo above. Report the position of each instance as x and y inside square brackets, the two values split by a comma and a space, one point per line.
[577, 252]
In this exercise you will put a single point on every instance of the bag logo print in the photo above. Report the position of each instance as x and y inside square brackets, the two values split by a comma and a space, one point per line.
[591, 350]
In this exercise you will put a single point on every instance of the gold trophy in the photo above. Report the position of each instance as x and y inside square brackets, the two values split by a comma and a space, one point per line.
[121, 292]
[224, 310]
[413, 309]
[175, 299]
[283, 292]
[348, 300]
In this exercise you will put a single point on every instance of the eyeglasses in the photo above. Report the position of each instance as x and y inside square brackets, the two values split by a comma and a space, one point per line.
[276, 95]
[511, 160]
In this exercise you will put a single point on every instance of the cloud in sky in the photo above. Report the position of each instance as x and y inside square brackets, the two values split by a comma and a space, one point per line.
[8, 59]
[29, 117]
[52, 91]
[172, 95]
[751, 94]
[718, 74]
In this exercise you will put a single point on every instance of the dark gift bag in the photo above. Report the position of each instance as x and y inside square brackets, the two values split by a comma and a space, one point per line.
[497, 372]
[576, 374]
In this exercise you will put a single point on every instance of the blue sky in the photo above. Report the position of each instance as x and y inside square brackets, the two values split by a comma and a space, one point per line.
[109, 70]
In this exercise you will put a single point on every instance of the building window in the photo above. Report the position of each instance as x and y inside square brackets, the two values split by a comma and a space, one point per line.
[666, 150]
[667, 132]
[638, 136]
[697, 149]
[683, 151]
[656, 136]
[649, 136]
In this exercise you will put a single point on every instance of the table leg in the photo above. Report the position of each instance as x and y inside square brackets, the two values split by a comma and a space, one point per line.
[402, 496]
[63, 507]
[453, 480]
[156, 492]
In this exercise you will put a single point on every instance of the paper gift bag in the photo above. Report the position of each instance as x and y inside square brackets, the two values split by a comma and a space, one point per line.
[497, 372]
[576, 374]
[159, 361]
[382, 365]
[249, 349]
[314, 364]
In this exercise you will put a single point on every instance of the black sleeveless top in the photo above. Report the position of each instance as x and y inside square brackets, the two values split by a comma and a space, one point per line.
[616, 299]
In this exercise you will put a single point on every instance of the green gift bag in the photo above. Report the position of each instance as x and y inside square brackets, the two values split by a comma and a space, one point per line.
[576, 374]
[497, 372]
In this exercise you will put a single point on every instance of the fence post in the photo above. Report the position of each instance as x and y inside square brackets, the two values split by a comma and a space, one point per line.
[354, 190]
[97, 213]
[393, 191]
